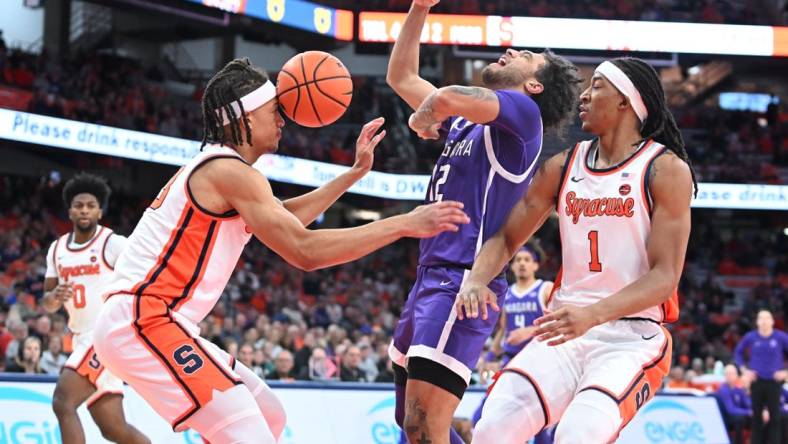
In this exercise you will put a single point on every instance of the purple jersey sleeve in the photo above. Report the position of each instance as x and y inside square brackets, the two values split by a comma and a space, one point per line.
[518, 114]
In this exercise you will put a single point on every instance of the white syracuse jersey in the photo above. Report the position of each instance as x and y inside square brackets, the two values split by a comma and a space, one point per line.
[180, 252]
[89, 269]
[605, 221]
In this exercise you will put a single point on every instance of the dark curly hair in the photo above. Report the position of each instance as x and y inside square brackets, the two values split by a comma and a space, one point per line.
[87, 183]
[558, 101]
[660, 124]
[237, 79]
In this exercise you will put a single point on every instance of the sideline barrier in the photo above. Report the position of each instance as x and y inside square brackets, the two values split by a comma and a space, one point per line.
[98, 139]
[339, 413]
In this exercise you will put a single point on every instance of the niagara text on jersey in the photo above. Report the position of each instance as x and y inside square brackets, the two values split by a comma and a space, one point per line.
[605, 222]
[180, 252]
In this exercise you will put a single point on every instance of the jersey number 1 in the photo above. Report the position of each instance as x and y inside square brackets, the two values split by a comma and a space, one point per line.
[594, 265]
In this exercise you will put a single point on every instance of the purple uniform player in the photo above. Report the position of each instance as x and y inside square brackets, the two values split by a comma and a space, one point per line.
[523, 304]
[487, 168]
[493, 140]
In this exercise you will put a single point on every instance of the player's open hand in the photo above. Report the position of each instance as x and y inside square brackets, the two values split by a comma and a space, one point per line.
[427, 131]
[568, 322]
[473, 300]
[63, 292]
[429, 220]
[426, 3]
[366, 143]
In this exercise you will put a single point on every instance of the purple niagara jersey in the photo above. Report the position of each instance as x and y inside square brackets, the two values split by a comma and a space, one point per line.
[521, 310]
[487, 168]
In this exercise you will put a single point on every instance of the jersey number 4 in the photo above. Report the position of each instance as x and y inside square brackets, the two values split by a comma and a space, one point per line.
[594, 265]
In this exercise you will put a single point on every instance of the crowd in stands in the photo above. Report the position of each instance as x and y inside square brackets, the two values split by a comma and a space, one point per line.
[335, 324]
[116, 91]
[703, 11]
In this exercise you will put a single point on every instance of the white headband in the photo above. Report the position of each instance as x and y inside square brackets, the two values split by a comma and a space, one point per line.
[616, 76]
[251, 101]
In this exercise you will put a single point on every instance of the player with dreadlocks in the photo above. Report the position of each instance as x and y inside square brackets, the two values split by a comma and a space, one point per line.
[187, 244]
[623, 202]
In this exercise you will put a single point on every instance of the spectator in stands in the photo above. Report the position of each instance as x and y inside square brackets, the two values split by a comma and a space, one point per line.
[28, 358]
[765, 366]
[368, 363]
[736, 406]
[283, 367]
[246, 355]
[18, 330]
[676, 378]
[319, 367]
[350, 371]
[53, 359]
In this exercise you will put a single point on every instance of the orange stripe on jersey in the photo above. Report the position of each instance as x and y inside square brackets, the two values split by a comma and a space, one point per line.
[565, 171]
[171, 243]
[556, 286]
[643, 385]
[192, 368]
[617, 168]
[183, 263]
[670, 308]
[200, 267]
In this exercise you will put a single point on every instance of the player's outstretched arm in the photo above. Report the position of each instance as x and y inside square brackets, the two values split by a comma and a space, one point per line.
[249, 193]
[671, 191]
[310, 205]
[525, 218]
[403, 70]
[476, 104]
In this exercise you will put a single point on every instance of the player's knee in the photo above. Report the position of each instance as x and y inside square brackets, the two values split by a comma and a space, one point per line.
[62, 404]
[592, 428]
[113, 431]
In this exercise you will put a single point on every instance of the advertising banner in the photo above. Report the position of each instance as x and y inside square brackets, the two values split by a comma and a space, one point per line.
[590, 34]
[99, 139]
[308, 16]
[342, 413]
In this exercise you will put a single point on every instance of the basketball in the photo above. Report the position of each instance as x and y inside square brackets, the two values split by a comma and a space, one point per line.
[314, 89]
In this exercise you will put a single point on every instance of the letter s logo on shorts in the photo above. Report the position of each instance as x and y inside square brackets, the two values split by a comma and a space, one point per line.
[642, 396]
[186, 357]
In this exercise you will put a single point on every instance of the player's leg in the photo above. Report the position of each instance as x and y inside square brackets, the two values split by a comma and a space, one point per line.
[107, 411]
[622, 372]
[441, 354]
[162, 359]
[70, 392]
[270, 406]
[591, 417]
[430, 406]
[231, 416]
[530, 394]
[398, 349]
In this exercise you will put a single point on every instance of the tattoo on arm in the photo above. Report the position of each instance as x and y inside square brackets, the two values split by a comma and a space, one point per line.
[416, 425]
[482, 94]
[424, 116]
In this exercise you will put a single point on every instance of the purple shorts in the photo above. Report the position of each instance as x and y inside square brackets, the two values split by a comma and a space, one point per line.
[428, 327]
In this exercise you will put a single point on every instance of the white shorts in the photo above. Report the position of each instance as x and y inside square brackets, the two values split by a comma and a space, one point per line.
[84, 361]
[624, 360]
[158, 353]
